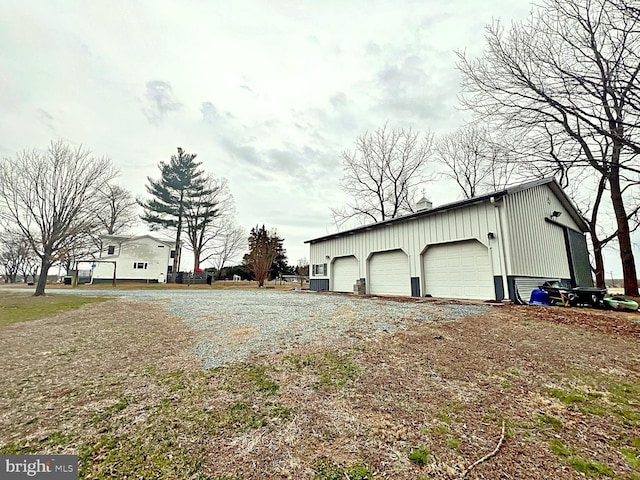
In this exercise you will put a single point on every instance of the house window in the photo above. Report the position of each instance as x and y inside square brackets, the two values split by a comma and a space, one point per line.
[111, 249]
[320, 270]
[170, 269]
[140, 265]
[173, 254]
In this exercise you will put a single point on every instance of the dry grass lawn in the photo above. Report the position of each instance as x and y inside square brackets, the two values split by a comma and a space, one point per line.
[116, 382]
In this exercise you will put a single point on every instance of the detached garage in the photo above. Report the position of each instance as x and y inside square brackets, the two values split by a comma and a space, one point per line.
[491, 247]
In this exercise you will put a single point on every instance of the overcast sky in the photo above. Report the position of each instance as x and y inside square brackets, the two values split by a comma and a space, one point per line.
[267, 93]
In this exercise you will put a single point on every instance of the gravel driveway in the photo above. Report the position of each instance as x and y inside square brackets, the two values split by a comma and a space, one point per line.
[230, 325]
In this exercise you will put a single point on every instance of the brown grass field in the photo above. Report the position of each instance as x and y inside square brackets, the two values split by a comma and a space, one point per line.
[117, 383]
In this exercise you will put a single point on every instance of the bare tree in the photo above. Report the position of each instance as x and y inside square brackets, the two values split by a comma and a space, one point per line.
[83, 248]
[591, 208]
[475, 161]
[14, 253]
[207, 215]
[569, 73]
[30, 263]
[302, 270]
[228, 244]
[119, 212]
[587, 188]
[381, 174]
[52, 199]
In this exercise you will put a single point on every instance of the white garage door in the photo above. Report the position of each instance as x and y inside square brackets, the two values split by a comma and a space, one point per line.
[344, 274]
[458, 270]
[389, 273]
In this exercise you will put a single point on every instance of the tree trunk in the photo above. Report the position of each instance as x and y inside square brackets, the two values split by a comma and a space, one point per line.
[176, 262]
[176, 258]
[624, 237]
[599, 261]
[196, 259]
[42, 279]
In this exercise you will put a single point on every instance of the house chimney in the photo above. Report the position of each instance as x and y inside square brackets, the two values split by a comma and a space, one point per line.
[424, 204]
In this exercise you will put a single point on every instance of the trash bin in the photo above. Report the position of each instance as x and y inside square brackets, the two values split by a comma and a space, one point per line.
[539, 297]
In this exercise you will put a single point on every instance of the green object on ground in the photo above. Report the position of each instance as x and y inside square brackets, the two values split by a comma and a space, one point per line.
[620, 303]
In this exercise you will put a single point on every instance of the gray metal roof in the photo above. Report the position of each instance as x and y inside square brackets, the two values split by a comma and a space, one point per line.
[550, 181]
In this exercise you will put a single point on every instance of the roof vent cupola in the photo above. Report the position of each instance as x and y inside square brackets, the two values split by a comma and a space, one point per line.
[424, 204]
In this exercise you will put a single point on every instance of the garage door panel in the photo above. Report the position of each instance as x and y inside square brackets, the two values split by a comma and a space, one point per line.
[344, 273]
[468, 262]
[389, 273]
[470, 277]
[458, 270]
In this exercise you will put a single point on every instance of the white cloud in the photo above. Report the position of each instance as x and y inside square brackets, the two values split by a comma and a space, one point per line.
[158, 101]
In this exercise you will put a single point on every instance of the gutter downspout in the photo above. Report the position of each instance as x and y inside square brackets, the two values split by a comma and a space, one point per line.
[502, 247]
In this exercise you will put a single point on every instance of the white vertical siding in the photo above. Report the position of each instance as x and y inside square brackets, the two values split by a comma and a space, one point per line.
[537, 247]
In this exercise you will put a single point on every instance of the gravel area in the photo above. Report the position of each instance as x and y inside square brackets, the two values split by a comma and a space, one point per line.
[231, 325]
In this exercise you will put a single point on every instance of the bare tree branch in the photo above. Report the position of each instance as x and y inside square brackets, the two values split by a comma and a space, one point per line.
[477, 162]
[52, 198]
[382, 174]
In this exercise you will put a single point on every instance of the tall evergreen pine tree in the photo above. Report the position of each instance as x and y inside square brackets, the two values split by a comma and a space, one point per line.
[180, 181]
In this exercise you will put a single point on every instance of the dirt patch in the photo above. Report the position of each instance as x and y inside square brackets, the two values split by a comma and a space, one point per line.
[619, 323]
[118, 383]
[241, 334]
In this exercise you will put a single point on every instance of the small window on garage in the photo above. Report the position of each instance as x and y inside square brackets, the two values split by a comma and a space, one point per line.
[320, 270]
[111, 249]
[173, 254]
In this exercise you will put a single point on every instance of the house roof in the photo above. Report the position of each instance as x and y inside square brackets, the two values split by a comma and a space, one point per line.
[121, 238]
[551, 182]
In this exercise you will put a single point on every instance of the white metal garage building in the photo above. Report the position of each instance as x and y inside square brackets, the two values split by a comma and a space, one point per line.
[494, 246]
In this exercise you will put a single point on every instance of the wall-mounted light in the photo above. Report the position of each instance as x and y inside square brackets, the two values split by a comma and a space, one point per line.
[555, 214]
[491, 235]
[327, 257]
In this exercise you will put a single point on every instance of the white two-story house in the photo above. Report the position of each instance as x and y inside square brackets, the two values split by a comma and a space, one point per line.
[143, 258]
